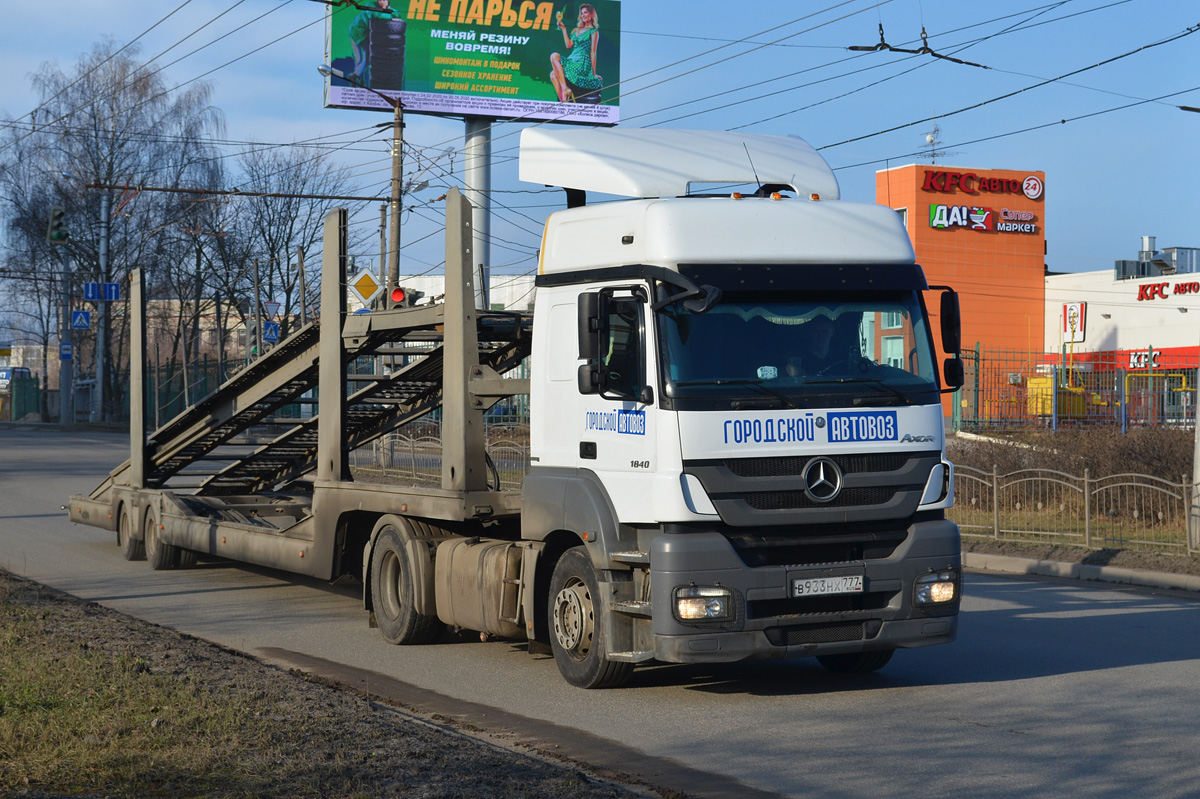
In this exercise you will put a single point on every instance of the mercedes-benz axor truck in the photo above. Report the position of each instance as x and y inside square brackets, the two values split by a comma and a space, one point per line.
[736, 441]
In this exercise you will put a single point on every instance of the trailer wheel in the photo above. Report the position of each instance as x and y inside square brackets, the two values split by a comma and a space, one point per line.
[857, 662]
[161, 556]
[576, 635]
[392, 593]
[131, 548]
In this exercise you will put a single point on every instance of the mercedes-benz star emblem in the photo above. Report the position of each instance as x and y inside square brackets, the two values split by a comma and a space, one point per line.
[822, 480]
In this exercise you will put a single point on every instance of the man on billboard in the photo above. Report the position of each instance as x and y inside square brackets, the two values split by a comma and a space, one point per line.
[374, 37]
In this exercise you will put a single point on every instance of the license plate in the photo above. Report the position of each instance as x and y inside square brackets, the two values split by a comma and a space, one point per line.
[817, 586]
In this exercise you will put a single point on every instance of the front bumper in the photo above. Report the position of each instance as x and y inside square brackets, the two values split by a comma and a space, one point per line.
[767, 622]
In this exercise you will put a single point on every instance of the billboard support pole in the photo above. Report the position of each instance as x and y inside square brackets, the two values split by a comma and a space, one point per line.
[477, 174]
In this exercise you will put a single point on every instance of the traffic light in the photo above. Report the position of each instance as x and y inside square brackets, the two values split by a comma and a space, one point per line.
[403, 297]
[252, 339]
[56, 231]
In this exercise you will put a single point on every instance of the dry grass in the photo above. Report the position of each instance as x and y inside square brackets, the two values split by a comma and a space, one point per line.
[96, 703]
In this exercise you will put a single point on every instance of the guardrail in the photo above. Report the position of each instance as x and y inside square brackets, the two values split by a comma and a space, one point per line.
[1048, 506]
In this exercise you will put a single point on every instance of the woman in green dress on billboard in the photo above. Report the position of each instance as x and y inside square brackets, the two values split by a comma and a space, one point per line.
[575, 78]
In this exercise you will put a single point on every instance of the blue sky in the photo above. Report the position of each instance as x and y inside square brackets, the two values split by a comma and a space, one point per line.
[1111, 175]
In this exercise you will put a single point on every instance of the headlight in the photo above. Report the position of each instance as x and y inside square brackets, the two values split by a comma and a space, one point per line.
[703, 603]
[937, 588]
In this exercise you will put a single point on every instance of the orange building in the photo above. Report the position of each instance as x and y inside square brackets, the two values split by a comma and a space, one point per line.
[982, 232]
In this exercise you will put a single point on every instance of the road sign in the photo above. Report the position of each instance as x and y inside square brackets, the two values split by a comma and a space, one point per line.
[365, 286]
[65, 351]
[91, 291]
[271, 331]
[81, 320]
[272, 309]
[112, 292]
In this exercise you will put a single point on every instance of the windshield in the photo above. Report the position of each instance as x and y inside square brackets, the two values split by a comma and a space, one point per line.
[799, 349]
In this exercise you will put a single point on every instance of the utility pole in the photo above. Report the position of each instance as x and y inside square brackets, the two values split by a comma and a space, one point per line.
[102, 309]
[303, 286]
[397, 177]
[393, 273]
[257, 313]
[66, 367]
[383, 248]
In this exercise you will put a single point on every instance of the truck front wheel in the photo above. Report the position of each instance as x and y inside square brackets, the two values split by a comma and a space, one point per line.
[857, 662]
[576, 635]
[392, 593]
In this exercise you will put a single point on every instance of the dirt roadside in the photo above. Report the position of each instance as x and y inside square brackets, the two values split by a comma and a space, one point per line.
[319, 741]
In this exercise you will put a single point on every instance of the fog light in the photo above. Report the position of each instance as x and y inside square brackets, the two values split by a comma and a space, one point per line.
[937, 588]
[703, 603]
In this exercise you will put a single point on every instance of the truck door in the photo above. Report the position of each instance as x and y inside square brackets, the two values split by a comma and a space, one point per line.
[618, 441]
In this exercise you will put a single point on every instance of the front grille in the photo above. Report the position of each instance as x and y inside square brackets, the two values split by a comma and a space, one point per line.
[796, 546]
[826, 633]
[790, 500]
[794, 466]
[797, 606]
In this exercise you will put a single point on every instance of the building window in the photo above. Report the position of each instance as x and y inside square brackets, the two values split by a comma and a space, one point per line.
[903, 214]
[892, 320]
[893, 351]
[866, 336]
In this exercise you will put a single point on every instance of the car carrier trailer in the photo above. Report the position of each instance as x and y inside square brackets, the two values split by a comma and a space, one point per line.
[698, 491]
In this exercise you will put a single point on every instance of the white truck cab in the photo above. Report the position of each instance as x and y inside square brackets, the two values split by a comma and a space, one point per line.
[738, 494]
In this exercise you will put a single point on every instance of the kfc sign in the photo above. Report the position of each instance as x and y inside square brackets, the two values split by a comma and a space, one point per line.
[946, 182]
[1074, 321]
[1160, 291]
[1143, 360]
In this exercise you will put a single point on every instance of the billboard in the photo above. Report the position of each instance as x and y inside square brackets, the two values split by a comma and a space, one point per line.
[503, 59]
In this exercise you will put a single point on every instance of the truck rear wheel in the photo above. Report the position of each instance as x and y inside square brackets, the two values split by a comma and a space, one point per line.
[576, 635]
[131, 548]
[161, 556]
[393, 592]
[857, 662]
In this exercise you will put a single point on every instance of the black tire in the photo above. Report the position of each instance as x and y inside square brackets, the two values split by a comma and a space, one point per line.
[131, 548]
[392, 593]
[576, 636]
[187, 558]
[161, 556]
[857, 662]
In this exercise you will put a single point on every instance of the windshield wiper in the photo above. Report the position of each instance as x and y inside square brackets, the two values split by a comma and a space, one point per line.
[742, 381]
[873, 381]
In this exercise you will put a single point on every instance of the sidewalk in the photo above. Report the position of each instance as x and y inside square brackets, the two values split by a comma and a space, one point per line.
[1005, 564]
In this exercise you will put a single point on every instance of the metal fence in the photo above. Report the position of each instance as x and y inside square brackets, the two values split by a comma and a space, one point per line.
[1047, 506]
[1011, 390]
[412, 455]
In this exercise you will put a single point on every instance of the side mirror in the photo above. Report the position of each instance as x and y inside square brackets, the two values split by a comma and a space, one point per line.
[588, 378]
[951, 323]
[952, 372]
[589, 324]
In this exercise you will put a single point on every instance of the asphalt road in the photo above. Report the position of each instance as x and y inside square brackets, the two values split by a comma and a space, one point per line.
[1053, 688]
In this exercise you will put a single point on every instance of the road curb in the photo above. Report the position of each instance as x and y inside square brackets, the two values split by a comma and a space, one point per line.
[1079, 571]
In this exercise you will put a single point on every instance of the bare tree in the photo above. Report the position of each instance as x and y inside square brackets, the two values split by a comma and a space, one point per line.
[279, 227]
[108, 121]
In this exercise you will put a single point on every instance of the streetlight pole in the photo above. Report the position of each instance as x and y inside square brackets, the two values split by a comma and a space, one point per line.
[393, 269]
